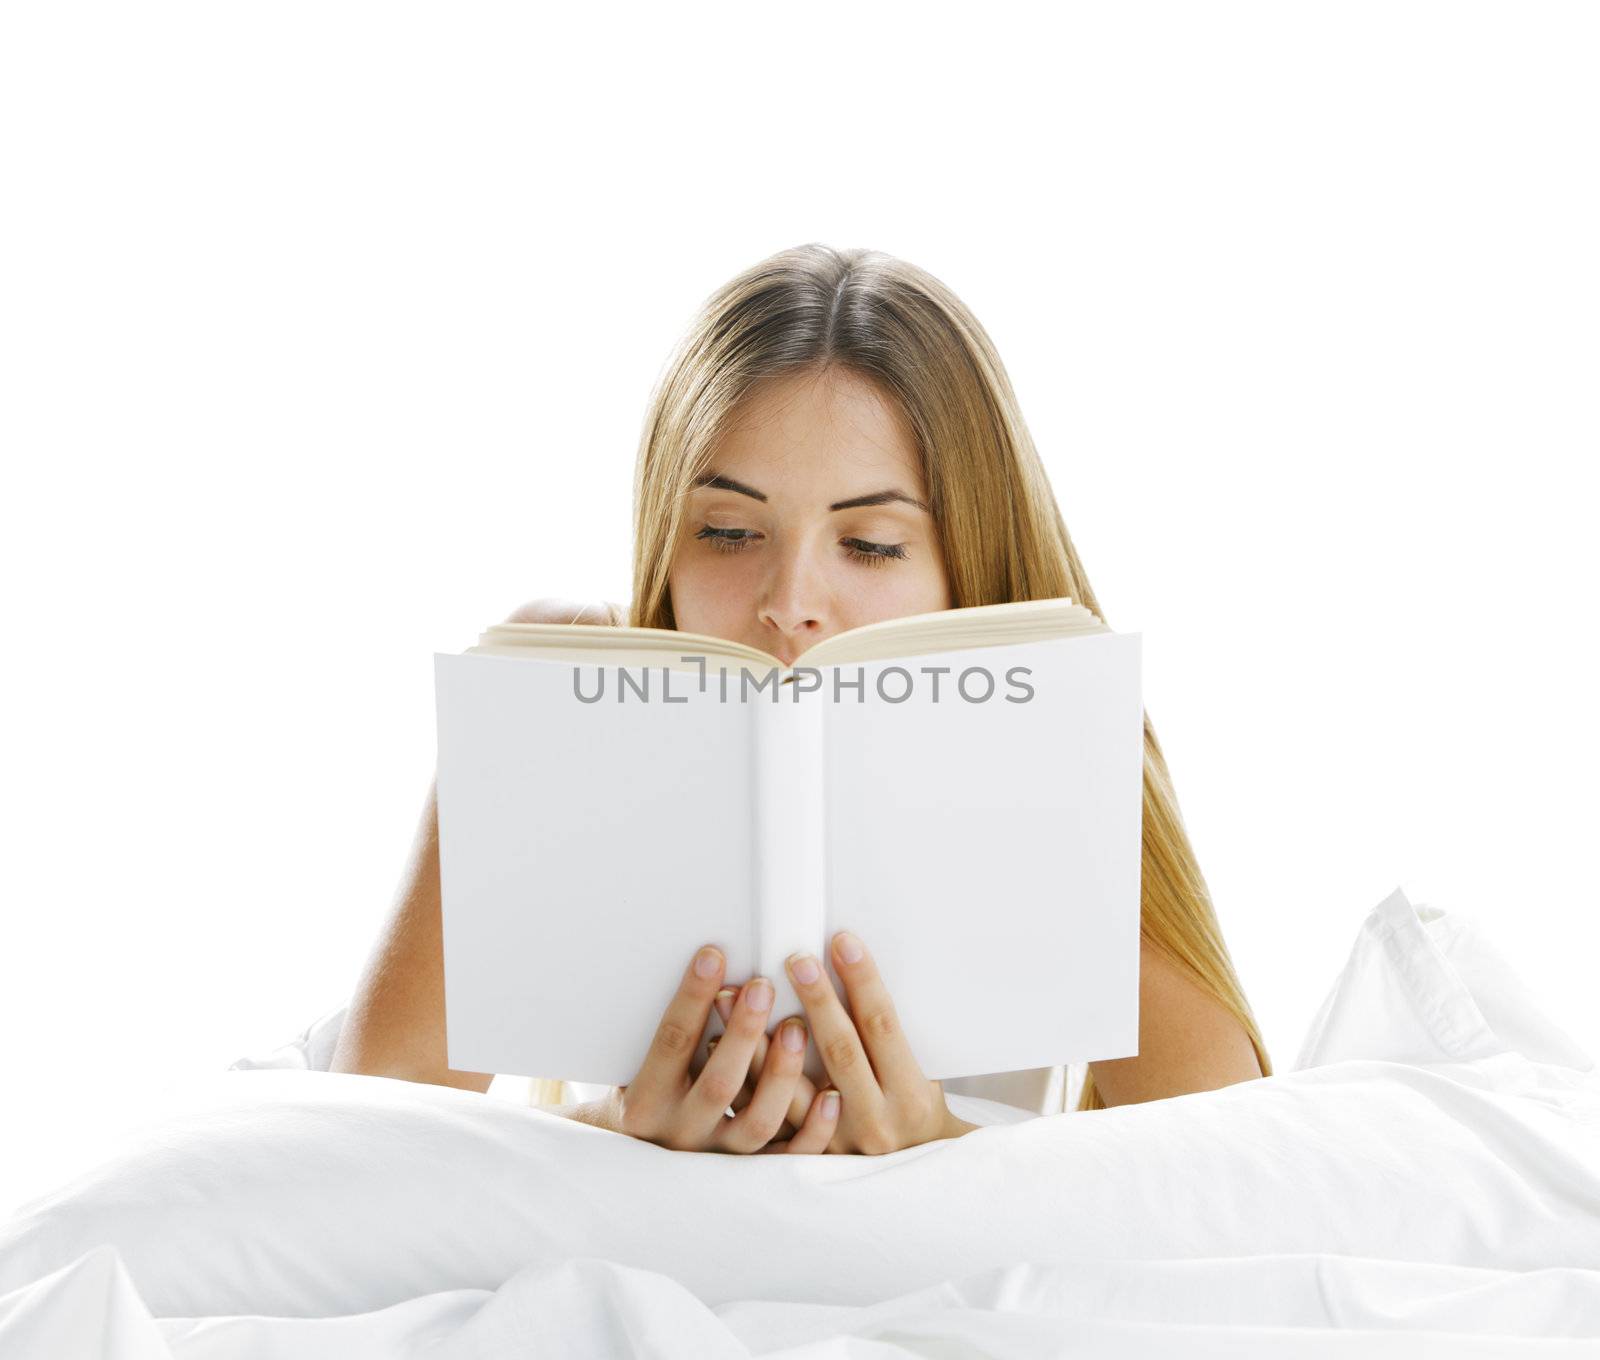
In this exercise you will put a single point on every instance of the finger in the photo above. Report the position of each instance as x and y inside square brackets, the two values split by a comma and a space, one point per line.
[874, 1015]
[837, 1040]
[724, 1073]
[804, 1091]
[817, 1130]
[781, 1142]
[725, 1000]
[666, 1063]
[711, 1047]
[758, 1060]
[799, 1102]
[759, 1122]
[723, 1005]
[724, 1008]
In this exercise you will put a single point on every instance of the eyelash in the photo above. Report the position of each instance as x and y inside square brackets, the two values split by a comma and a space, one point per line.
[869, 554]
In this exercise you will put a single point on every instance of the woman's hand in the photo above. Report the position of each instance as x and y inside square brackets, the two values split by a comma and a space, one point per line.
[670, 1105]
[888, 1103]
[804, 1092]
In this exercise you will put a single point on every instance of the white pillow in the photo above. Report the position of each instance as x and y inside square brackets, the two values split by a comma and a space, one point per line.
[295, 1192]
[1424, 986]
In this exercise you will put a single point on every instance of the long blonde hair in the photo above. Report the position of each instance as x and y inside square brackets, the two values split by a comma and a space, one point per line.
[1002, 532]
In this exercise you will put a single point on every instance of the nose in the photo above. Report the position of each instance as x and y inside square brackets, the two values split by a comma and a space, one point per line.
[793, 604]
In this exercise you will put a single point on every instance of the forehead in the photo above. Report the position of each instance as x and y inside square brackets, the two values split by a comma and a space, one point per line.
[834, 429]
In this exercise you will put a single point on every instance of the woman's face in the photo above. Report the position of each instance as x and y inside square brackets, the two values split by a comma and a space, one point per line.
[778, 552]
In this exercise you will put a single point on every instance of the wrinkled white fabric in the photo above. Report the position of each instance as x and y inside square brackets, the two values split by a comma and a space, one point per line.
[1420, 1177]
[1118, 1310]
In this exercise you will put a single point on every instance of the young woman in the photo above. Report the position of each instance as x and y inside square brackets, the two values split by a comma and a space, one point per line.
[834, 442]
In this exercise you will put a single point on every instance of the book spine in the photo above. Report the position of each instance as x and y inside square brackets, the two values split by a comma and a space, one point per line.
[790, 910]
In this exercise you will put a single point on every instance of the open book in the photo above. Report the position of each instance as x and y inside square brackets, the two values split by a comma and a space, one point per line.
[961, 789]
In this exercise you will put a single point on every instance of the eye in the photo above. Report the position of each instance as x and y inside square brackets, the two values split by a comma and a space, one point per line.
[728, 540]
[872, 554]
[857, 549]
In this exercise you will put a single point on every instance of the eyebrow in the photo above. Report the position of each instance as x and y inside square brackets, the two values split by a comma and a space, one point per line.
[716, 479]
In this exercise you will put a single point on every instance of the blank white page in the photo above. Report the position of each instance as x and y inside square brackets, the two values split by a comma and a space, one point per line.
[586, 852]
[989, 853]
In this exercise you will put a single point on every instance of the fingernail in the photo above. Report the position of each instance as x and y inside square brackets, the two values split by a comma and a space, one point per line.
[849, 947]
[830, 1104]
[804, 968]
[758, 995]
[794, 1036]
[706, 963]
[724, 1002]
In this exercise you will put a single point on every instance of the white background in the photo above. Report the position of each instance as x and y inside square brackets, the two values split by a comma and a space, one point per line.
[325, 338]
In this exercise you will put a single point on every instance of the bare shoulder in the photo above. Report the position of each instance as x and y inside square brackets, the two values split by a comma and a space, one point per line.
[554, 609]
[1188, 1040]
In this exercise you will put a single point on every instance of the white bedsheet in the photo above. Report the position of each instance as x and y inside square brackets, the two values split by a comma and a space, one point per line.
[1421, 1182]
[1249, 1306]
